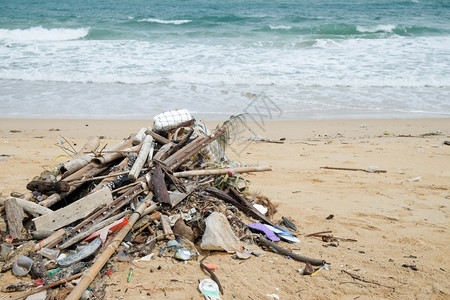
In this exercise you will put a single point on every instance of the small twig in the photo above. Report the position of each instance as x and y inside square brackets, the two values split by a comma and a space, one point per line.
[357, 277]
[318, 233]
[354, 169]
[73, 149]
[352, 282]
[210, 272]
[56, 283]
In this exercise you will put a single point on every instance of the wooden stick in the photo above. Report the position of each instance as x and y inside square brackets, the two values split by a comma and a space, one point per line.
[354, 169]
[141, 159]
[221, 171]
[282, 251]
[160, 139]
[92, 229]
[56, 283]
[51, 239]
[139, 137]
[90, 274]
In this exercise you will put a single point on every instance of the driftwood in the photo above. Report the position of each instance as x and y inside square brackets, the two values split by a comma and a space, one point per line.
[139, 137]
[141, 159]
[354, 169]
[73, 212]
[90, 274]
[280, 250]
[30, 207]
[221, 171]
[14, 217]
[48, 186]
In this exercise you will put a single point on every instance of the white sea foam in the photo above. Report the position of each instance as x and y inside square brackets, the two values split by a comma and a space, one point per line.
[43, 34]
[278, 27]
[376, 28]
[174, 22]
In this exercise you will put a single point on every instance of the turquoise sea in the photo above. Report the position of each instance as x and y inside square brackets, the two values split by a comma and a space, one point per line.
[304, 59]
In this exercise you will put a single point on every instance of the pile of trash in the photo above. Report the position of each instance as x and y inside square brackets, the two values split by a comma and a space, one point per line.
[167, 188]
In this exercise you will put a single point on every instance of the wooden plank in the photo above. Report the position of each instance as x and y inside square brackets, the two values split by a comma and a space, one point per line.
[14, 217]
[73, 212]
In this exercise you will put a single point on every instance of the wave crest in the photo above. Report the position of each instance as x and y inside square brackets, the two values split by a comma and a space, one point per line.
[43, 34]
[376, 28]
[174, 22]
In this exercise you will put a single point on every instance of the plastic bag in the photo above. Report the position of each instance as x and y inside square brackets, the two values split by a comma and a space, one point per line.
[218, 235]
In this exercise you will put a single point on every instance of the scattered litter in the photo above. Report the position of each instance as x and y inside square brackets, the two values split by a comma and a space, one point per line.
[22, 266]
[412, 267]
[155, 193]
[209, 289]
[288, 223]
[413, 179]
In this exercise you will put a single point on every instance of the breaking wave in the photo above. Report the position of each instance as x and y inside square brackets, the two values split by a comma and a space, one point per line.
[173, 22]
[43, 34]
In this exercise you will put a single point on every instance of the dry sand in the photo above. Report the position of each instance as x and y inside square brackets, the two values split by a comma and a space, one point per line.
[393, 220]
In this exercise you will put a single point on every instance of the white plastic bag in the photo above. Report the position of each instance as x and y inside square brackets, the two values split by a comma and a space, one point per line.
[218, 234]
[170, 119]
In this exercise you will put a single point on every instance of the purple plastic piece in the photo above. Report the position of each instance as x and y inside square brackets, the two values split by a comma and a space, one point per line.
[269, 233]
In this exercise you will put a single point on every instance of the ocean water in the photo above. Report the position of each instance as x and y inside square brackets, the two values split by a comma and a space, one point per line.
[283, 59]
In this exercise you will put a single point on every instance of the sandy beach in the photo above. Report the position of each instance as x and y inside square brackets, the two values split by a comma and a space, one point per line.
[397, 218]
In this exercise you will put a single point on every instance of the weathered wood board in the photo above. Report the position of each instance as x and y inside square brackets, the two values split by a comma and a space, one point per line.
[73, 212]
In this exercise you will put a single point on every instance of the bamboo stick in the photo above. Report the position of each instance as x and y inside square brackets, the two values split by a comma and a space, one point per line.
[92, 272]
[91, 145]
[112, 156]
[141, 159]
[221, 171]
